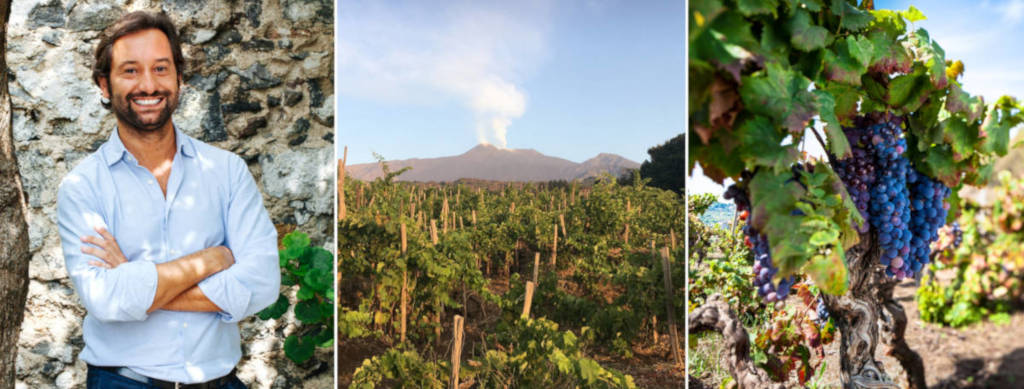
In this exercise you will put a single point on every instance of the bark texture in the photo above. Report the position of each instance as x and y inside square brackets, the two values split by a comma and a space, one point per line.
[14, 251]
[715, 315]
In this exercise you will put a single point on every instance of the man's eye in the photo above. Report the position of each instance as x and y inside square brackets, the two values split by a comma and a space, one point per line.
[129, 71]
[161, 69]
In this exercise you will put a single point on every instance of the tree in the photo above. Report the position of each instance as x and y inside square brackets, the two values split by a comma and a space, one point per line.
[14, 252]
[665, 168]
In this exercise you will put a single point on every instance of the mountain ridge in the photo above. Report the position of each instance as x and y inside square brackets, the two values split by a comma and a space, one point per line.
[487, 162]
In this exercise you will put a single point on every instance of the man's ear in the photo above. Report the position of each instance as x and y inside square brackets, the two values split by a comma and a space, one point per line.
[104, 83]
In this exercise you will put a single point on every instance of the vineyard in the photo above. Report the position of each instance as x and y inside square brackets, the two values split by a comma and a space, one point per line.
[510, 285]
[813, 283]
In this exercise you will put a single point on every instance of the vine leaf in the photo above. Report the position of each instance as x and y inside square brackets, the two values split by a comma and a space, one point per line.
[848, 59]
[961, 136]
[755, 7]
[850, 17]
[959, 102]
[929, 53]
[803, 35]
[995, 129]
[907, 92]
[913, 14]
[837, 142]
[762, 145]
[781, 94]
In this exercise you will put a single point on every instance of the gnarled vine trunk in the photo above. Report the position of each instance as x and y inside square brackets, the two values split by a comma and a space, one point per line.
[866, 307]
[14, 250]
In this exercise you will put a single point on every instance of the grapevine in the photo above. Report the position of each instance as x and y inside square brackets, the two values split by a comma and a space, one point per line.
[900, 135]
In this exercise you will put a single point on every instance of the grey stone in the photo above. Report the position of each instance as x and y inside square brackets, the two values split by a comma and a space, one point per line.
[228, 37]
[192, 108]
[95, 17]
[203, 35]
[213, 122]
[324, 113]
[328, 137]
[292, 97]
[253, 126]
[215, 53]
[288, 173]
[258, 45]
[256, 77]
[53, 37]
[66, 379]
[49, 14]
[298, 140]
[36, 169]
[273, 101]
[24, 129]
[307, 10]
[253, 9]
[285, 43]
[241, 106]
[38, 230]
[207, 83]
[300, 127]
[316, 96]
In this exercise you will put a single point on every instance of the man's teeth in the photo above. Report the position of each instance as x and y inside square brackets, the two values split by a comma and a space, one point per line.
[146, 101]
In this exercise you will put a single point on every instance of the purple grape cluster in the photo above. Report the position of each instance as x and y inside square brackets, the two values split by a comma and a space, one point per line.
[928, 211]
[890, 199]
[764, 269]
[822, 313]
[858, 171]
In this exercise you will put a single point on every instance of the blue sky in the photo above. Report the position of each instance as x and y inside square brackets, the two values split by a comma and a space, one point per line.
[568, 78]
[984, 35]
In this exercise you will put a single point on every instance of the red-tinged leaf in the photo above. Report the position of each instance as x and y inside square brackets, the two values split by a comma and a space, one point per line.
[804, 35]
[906, 93]
[724, 106]
[959, 102]
[888, 57]
[961, 136]
[846, 100]
[929, 53]
[762, 145]
[938, 163]
[1002, 116]
[848, 59]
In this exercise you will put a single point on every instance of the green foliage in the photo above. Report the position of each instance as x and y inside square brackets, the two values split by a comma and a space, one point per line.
[762, 73]
[665, 167]
[311, 269]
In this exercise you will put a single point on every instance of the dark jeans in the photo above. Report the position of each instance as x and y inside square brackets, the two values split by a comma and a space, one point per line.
[102, 379]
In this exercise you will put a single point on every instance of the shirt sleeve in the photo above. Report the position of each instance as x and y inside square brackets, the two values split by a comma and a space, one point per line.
[124, 293]
[254, 281]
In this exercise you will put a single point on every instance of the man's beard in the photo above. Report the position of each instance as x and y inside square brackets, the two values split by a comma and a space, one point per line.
[122, 107]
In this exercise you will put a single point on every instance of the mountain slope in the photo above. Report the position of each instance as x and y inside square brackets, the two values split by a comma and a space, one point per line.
[491, 163]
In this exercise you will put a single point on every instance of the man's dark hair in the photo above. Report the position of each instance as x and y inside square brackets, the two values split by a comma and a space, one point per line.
[127, 24]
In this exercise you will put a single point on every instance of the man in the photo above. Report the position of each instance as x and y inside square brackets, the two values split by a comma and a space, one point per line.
[165, 237]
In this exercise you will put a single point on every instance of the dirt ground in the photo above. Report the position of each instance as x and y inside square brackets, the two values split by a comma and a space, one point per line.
[984, 355]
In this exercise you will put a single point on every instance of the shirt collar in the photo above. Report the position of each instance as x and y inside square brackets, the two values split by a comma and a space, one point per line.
[113, 150]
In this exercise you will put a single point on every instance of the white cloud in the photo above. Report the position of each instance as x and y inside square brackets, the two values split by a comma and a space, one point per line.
[477, 54]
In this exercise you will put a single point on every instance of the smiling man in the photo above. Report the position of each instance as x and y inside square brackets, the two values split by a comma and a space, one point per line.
[165, 237]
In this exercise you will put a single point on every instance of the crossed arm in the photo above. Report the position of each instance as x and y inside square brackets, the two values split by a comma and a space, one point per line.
[177, 280]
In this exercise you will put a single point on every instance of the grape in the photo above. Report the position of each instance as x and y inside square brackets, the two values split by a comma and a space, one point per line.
[929, 213]
[764, 269]
[822, 312]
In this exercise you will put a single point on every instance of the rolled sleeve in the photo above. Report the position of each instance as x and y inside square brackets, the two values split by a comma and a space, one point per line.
[254, 281]
[124, 293]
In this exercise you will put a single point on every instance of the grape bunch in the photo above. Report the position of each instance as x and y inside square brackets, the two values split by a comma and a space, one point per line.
[903, 206]
[764, 269]
[928, 208]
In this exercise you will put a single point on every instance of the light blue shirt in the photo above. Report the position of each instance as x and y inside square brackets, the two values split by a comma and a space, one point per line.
[211, 200]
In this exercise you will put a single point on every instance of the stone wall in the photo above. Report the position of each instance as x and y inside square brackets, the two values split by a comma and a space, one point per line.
[259, 83]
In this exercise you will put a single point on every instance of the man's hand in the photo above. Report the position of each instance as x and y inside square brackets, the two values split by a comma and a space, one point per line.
[106, 249]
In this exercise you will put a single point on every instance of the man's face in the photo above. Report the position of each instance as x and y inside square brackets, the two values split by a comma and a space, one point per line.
[143, 84]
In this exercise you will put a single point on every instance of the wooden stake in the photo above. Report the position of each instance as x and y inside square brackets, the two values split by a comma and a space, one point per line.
[626, 234]
[672, 238]
[512, 208]
[561, 221]
[405, 288]
[456, 351]
[654, 324]
[433, 231]
[341, 186]
[529, 299]
[666, 268]
[474, 217]
[536, 265]
[554, 247]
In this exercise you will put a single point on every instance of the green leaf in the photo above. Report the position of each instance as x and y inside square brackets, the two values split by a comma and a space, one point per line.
[848, 59]
[781, 94]
[756, 7]
[321, 258]
[276, 309]
[318, 279]
[913, 15]
[805, 36]
[839, 146]
[1002, 116]
[299, 350]
[305, 293]
[828, 272]
[824, 237]
[762, 145]
[961, 136]
[930, 54]
[308, 311]
[907, 92]
[850, 17]
[960, 102]
[295, 239]
[810, 5]
[846, 100]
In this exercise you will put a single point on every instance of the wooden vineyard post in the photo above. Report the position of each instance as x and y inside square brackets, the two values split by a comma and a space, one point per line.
[666, 268]
[629, 209]
[433, 231]
[412, 210]
[530, 286]
[474, 217]
[456, 351]
[341, 185]
[672, 238]
[405, 287]
[461, 226]
[444, 216]
[561, 221]
[536, 265]
[512, 208]
[554, 248]
[654, 324]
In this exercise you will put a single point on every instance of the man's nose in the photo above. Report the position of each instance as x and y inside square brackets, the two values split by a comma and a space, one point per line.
[147, 82]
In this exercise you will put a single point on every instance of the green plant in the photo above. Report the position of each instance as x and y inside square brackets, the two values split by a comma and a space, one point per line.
[311, 269]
